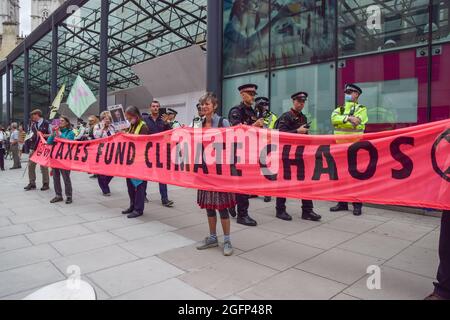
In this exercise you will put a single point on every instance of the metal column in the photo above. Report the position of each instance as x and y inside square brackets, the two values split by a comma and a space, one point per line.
[26, 88]
[103, 94]
[214, 48]
[8, 94]
[54, 74]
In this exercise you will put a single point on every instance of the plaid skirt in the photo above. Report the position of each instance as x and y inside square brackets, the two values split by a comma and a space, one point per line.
[215, 200]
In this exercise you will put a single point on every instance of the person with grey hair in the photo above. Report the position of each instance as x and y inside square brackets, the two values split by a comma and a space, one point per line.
[14, 142]
[212, 200]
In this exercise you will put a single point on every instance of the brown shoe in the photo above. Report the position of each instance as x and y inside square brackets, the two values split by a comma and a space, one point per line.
[45, 187]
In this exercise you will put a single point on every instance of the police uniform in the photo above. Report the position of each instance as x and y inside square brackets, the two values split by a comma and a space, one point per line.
[263, 112]
[174, 124]
[342, 126]
[290, 122]
[243, 114]
[262, 109]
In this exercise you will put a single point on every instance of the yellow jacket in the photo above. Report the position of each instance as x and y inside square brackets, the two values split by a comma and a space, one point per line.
[339, 118]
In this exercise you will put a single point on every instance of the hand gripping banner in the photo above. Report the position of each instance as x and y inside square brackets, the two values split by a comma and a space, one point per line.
[408, 167]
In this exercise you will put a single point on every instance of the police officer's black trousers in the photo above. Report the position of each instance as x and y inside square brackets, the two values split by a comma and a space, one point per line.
[356, 205]
[242, 204]
[442, 286]
[137, 195]
[281, 205]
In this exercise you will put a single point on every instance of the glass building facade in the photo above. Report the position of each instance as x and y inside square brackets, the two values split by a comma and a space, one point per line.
[398, 52]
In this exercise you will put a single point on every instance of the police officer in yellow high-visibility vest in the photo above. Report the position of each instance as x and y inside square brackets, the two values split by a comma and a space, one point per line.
[350, 119]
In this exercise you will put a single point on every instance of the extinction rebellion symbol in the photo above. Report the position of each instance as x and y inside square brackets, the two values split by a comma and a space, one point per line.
[443, 170]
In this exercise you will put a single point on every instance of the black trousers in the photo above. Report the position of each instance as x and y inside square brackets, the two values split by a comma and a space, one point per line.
[242, 204]
[356, 205]
[137, 195]
[442, 286]
[2, 158]
[281, 205]
[103, 182]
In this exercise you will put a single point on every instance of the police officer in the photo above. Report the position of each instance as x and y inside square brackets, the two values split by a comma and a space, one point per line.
[245, 114]
[294, 121]
[262, 108]
[171, 115]
[350, 119]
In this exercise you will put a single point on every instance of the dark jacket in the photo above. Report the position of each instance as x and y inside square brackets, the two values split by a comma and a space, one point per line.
[292, 120]
[242, 114]
[44, 129]
[156, 126]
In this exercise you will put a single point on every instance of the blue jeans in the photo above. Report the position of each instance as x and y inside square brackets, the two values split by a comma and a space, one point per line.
[163, 192]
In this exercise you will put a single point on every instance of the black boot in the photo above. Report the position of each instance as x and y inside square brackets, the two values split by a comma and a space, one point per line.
[232, 212]
[267, 199]
[310, 215]
[341, 206]
[134, 214]
[357, 209]
[128, 211]
[246, 221]
[45, 187]
[283, 215]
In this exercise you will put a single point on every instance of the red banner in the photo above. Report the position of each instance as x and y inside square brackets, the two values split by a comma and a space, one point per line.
[409, 167]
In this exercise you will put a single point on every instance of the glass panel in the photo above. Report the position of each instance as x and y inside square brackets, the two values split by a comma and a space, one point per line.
[373, 26]
[246, 36]
[440, 93]
[395, 87]
[17, 90]
[231, 96]
[302, 31]
[441, 26]
[318, 81]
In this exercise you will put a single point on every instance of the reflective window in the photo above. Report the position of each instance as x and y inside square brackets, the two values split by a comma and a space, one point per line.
[372, 26]
[441, 26]
[318, 81]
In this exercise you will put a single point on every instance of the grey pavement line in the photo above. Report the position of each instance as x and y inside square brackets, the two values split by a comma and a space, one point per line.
[33, 289]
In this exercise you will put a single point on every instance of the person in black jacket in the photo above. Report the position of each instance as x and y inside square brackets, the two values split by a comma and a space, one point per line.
[39, 124]
[245, 114]
[442, 286]
[157, 124]
[294, 121]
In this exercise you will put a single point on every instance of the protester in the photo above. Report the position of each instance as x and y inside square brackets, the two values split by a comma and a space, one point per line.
[104, 129]
[64, 131]
[22, 135]
[2, 148]
[136, 188]
[8, 143]
[89, 133]
[38, 125]
[81, 130]
[210, 200]
[156, 124]
[14, 141]
[294, 121]
[442, 286]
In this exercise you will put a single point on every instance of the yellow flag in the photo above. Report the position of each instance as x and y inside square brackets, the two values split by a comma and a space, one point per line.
[57, 102]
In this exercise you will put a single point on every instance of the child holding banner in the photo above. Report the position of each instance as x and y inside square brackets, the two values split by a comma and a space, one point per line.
[209, 200]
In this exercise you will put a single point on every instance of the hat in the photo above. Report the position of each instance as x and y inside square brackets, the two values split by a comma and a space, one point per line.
[262, 101]
[248, 87]
[300, 96]
[353, 87]
[171, 111]
[36, 111]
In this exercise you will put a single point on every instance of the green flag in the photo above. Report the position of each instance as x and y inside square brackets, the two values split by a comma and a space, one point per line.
[80, 97]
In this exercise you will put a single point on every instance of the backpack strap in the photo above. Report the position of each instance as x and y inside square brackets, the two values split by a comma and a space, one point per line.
[221, 122]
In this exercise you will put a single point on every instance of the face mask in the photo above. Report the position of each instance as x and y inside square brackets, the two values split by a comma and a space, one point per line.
[348, 98]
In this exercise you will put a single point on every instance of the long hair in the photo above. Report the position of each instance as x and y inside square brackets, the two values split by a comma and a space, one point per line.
[134, 111]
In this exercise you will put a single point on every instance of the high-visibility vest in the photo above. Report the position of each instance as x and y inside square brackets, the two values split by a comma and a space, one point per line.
[339, 118]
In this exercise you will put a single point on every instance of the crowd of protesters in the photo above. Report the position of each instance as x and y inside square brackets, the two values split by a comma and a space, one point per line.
[349, 118]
